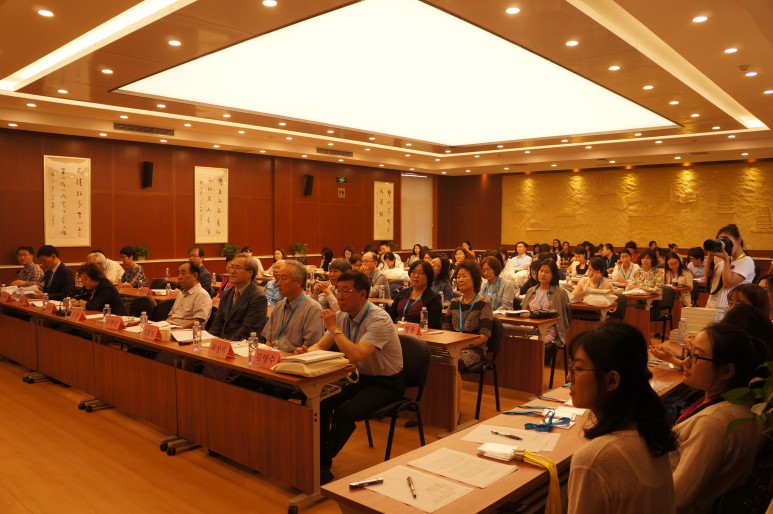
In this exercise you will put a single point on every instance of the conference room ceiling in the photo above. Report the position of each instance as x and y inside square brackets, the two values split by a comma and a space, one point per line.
[655, 43]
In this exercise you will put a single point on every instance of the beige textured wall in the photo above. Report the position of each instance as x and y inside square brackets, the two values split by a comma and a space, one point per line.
[682, 205]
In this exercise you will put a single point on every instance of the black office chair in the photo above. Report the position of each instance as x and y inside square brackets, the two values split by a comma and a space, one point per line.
[553, 348]
[415, 367]
[662, 312]
[142, 304]
[480, 368]
[395, 286]
[162, 310]
[619, 312]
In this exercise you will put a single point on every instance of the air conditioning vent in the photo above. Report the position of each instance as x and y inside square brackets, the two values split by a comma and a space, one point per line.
[143, 129]
[339, 153]
[698, 153]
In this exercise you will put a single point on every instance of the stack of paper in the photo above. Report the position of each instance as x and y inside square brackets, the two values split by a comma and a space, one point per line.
[505, 452]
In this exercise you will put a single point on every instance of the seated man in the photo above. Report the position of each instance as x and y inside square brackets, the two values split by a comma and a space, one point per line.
[58, 280]
[196, 255]
[377, 279]
[112, 270]
[271, 290]
[30, 273]
[383, 249]
[366, 335]
[517, 267]
[295, 321]
[193, 303]
[243, 306]
[696, 265]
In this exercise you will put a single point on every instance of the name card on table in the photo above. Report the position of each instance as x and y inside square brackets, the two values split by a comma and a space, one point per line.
[412, 329]
[23, 301]
[150, 332]
[114, 322]
[266, 358]
[77, 314]
[50, 308]
[220, 348]
[5, 297]
[144, 291]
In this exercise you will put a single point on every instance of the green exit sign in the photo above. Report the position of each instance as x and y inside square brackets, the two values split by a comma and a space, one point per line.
[341, 180]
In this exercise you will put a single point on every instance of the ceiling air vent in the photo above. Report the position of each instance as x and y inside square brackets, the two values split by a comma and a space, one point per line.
[143, 129]
[698, 153]
[339, 153]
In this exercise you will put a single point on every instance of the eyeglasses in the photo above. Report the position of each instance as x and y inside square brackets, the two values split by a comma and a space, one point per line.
[573, 370]
[345, 291]
[236, 267]
[688, 354]
[418, 272]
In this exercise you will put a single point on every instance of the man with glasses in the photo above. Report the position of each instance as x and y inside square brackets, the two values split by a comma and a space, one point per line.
[295, 321]
[196, 255]
[30, 273]
[377, 279]
[242, 307]
[194, 303]
[367, 336]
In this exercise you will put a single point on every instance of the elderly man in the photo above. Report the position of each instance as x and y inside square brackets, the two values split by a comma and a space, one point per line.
[367, 336]
[112, 270]
[196, 256]
[30, 273]
[58, 280]
[377, 279]
[193, 303]
[295, 321]
[243, 306]
[271, 289]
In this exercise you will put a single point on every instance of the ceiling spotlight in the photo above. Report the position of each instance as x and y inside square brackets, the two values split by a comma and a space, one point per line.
[500, 146]
[527, 152]
[123, 117]
[340, 160]
[330, 144]
[442, 172]
[13, 125]
[367, 149]
[304, 156]
[407, 155]
[768, 92]
[241, 132]
[161, 106]
[477, 156]
[437, 160]
[695, 115]
[408, 144]
[612, 162]
[186, 124]
[282, 123]
[448, 151]
[226, 115]
[269, 3]
[677, 158]
[715, 127]
[700, 19]
[648, 87]
[62, 91]
[102, 134]
[512, 10]
[174, 42]
[751, 73]
[45, 13]
[107, 71]
[331, 131]
[730, 50]
[745, 154]
[614, 68]
[31, 105]
[262, 151]
[658, 142]
[466, 171]
[163, 140]
[380, 165]
[507, 169]
[637, 134]
[410, 169]
[215, 146]
[673, 102]
[564, 140]
[588, 147]
[553, 165]
[371, 138]
[289, 138]
[572, 43]
[731, 136]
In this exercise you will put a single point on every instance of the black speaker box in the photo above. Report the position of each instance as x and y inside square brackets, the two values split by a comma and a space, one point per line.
[308, 185]
[147, 174]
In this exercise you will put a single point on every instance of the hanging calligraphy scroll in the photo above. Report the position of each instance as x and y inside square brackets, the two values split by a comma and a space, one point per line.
[67, 200]
[211, 204]
[383, 211]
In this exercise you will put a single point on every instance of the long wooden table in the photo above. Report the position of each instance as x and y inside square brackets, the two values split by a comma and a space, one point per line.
[227, 419]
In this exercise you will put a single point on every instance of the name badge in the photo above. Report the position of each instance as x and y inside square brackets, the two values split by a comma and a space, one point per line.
[50, 308]
[266, 358]
[77, 314]
[409, 328]
[114, 322]
[144, 291]
[220, 348]
[150, 332]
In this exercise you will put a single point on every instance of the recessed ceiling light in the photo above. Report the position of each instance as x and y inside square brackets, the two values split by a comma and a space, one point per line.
[730, 50]
[768, 92]
[31, 105]
[262, 151]
[107, 71]
[407, 155]
[13, 125]
[367, 149]
[564, 140]
[588, 147]
[658, 142]
[448, 151]
[304, 156]
[124, 117]
[614, 68]
[102, 134]
[371, 138]
[553, 165]
[700, 19]
[466, 171]
[186, 124]
[500, 146]
[648, 87]
[226, 115]
[215, 146]
[695, 115]
[174, 42]
[745, 154]
[527, 152]
[62, 91]
[330, 144]
[477, 156]
[289, 138]
[282, 123]
[340, 160]
[241, 132]
[677, 158]
[673, 102]
[572, 43]
[612, 162]
[161, 106]
[408, 144]
[507, 169]
[269, 3]
[637, 134]
[437, 160]
[163, 140]
[410, 169]
[751, 73]
[331, 131]
[46, 13]
[715, 127]
[731, 136]
[512, 10]
[380, 165]
[442, 172]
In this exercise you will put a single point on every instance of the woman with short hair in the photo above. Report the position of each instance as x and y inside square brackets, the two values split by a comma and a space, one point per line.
[409, 301]
[547, 295]
[500, 291]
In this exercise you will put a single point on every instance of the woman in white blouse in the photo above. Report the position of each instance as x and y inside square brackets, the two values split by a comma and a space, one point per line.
[624, 268]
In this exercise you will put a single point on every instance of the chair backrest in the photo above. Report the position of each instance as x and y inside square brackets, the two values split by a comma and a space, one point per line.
[416, 357]
[158, 283]
[496, 337]
[162, 310]
[667, 300]
[395, 286]
[622, 305]
[142, 304]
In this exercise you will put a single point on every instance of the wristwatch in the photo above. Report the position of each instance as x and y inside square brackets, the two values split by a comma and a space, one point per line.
[337, 331]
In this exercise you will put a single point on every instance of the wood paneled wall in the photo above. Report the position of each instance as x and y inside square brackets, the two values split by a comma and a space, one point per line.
[469, 208]
[267, 207]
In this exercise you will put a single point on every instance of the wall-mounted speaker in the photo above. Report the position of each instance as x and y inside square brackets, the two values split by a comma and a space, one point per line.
[308, 185]
[147, 174]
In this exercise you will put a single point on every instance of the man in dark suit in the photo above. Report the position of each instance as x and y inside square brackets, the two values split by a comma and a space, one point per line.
[243, 307]
[58, 279]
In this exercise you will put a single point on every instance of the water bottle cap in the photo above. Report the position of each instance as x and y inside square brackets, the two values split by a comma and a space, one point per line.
[253, 334]
[144, 313]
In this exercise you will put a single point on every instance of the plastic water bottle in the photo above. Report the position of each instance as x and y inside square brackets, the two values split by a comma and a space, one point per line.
[196, 336]
[45, 300]
[252, 345]
[168, 289]
[16, 295]
[381, 295]
[66, 305]
[166, 274]
[424, 321]
[105, 312]
[143, 320]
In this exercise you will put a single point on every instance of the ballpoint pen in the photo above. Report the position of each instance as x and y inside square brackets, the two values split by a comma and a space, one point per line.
[511, 436]
[410, 484]
[550, 398]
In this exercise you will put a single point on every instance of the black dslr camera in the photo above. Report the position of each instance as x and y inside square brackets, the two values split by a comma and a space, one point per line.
[715, 245]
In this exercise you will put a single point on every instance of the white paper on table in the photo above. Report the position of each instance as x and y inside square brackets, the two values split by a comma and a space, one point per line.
[531, 441]
[432, 493]
[241, 348]
[160, 324]
[462, 467]
[36, 303]
[186, 336]
[636, 291]
[94, 316]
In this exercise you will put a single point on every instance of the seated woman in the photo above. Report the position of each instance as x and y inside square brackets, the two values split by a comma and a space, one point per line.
[503, 253]
[133, 274]
[711, 459]
[356, 261]
[594, 279]
[460, 255]
[750, 294]
[415, 255]
[624, 467]
[348, 252]
[566, 254]
[98, 291]
[580, 263]
[548, 295]
[467, 245]
[677, 274]
[225, 284]
[407, 304]
[533, 272]
[471, 313]
[327, 291]
[766, 283]
[327, 257]
[499, 290]
[279, 255]
[624, 268]
[425, 254]
[555, 248]
[442, 283]
[648, 277]
[390, 262]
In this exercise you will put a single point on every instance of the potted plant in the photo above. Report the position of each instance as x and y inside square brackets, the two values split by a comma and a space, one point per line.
[392, 245]
[229, 249]
[759, 396]
[142, 252]
[299, 249]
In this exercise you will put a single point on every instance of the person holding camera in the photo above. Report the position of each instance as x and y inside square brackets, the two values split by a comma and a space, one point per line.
[729, 266]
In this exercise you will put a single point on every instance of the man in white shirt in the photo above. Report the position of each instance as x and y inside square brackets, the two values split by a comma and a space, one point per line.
[517, 267]
[383, 249]
[193, 303]
[112, 270]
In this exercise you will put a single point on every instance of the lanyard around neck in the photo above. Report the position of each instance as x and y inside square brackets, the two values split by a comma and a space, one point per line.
[461, 316]
[496, 287]
[359, 324]
[409, 304]
[292, 313]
